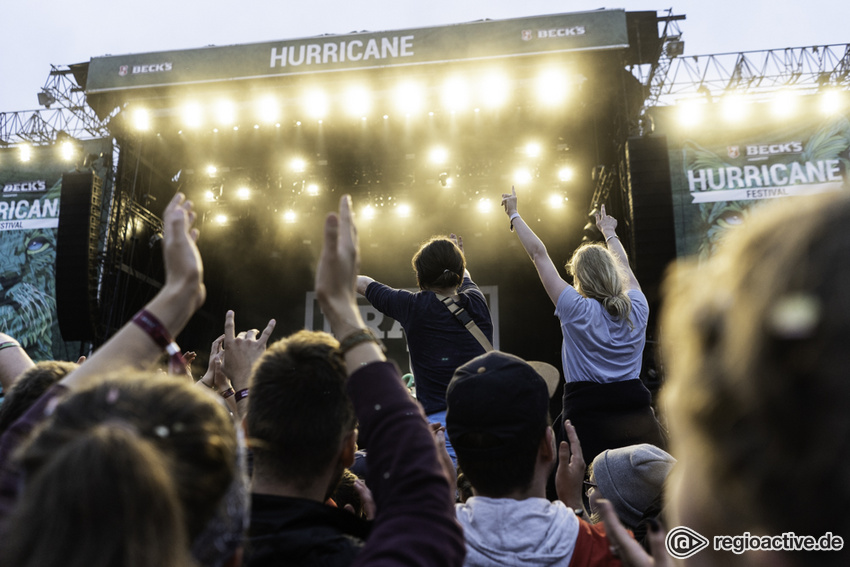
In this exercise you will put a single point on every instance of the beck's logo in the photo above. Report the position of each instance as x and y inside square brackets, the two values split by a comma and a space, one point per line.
[123, 70]
[733, 151]
[527, 35]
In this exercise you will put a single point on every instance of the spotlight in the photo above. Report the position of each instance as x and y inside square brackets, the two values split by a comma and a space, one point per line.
[368, 212]
[357, 101]
[192, 115]
[566, 174]
[316, 104]
[494, 90]
[243, 193]
[289, 217]
[690, 112]
[734, 107]
[313, 189]
[444, 179]
[455, 94]
[438, 155]
[220, 218]
[212, 170]
[268, 110]
[408, 97]
[67, 150]
[522, 176]
[298, 165]
[225, 112]
[551, 87]
[26, 152]
[209, 195]
[532, 150]
[831, 101]
[785, 103]
[485, 205]
[141, 119]
[556, 201]
[403, 210]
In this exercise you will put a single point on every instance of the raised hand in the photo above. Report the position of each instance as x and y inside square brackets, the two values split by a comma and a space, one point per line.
[184, 270]
[509, 201]
[457, 240]
[571, 468]
[606, 224]
[242, 350]
[626, 548]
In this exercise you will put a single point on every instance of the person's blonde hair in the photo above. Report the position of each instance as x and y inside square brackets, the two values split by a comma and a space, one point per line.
[597, 275]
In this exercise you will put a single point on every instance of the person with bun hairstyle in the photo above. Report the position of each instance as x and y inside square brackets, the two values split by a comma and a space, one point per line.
[603, 319]
[437, 341]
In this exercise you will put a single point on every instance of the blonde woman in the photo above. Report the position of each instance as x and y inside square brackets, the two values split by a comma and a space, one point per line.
[603, 319]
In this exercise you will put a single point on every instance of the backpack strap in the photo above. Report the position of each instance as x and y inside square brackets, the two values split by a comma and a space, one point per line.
[465, 320]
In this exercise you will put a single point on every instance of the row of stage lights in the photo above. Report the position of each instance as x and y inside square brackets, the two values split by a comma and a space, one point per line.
[483, 205]
[736, 108]
[457, 94]
[67, 151]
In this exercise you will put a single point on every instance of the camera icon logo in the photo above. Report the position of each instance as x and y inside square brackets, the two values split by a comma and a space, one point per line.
[683, 542]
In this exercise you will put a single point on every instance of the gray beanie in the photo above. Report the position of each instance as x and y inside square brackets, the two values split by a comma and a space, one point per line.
[631, 478]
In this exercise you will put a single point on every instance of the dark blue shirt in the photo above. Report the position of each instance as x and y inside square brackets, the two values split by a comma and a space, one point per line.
[437, 342]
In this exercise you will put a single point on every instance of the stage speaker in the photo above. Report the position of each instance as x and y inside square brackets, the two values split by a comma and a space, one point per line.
[76, 255]
[651, 204]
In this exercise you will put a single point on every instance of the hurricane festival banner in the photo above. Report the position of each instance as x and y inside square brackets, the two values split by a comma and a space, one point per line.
[29, 221]
[719, 175]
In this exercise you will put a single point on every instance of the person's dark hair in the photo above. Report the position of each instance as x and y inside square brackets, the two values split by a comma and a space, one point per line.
[298, 412]
[755, 335]
[29, 386]
[112, 483]
[498, 474]
[193, 437]
[439, 263]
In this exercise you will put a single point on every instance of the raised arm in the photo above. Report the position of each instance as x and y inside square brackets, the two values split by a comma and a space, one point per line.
[362, 283]
[607, 225]
[552, 281]
[458, 240]
[182, 295]
[13, 361]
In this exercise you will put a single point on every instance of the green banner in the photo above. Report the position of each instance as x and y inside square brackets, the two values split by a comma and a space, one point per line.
[720, 172]
[602, 29]
[29, 221]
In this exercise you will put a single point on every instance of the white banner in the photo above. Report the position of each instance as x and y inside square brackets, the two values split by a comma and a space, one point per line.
[755, 193]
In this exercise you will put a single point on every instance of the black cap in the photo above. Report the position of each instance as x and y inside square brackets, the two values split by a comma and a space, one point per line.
[499, 394]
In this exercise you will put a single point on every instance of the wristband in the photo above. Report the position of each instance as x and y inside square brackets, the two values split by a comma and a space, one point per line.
[227, 393]
[358, 337]
[610, 237]
[513, 216]
[160, 335]
[241, 394]
[9, 344]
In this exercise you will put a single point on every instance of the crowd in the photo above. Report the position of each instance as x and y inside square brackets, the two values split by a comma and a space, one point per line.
[312, 451]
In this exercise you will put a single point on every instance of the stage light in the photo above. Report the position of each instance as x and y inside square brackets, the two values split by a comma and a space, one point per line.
[485, 205]
[552, 87]
[357, 101]
[368, 212]
[690, 112]
[784, 104]
[734, 108]
[192, 115]
[438, 155]
[313, 189]
[522, 176]
[450, 181]
[209, 196]
[225, 112]
[220, 218]
[556, 201]
[256, 126]
[67, 150]
[455, 94]
[25, 152]
[566, 174]
[141, 119]
[494, 90]
[268, 109]
[298, 165]
[211, 170]
[316, 104]
[289, 216]
[532, 149]
[831, 101]
[408, 98]
[403, 210]
[243, 193]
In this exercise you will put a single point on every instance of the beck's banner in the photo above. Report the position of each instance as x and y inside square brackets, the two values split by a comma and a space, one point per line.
[579, 31]
[29, 221]
[719, 173]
